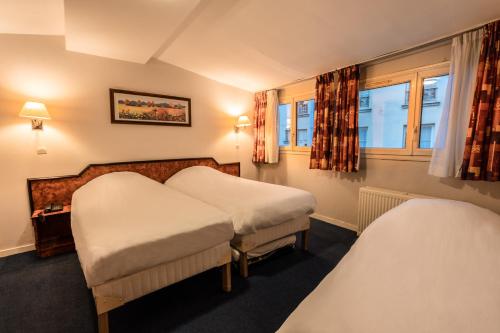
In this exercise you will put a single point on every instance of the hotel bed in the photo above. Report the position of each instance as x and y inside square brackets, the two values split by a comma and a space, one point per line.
[264, 215]
[428, 265]
[134, 236]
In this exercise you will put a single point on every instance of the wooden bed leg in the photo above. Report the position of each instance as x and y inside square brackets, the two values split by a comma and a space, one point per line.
[226, 277]
[102, 322]
[305, 240]
[243, 264]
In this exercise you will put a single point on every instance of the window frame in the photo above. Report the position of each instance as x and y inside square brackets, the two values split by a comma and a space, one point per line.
[416, 78]
[423, 74]
[292, 100]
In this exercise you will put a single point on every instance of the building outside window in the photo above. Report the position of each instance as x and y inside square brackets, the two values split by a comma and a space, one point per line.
[434, 90]
[305, 123]
[385, 129]
[285, 122]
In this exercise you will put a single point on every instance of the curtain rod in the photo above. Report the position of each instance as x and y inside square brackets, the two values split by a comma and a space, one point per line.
[400, 51]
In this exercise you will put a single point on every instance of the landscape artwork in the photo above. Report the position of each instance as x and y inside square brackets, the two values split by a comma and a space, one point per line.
[131, 107]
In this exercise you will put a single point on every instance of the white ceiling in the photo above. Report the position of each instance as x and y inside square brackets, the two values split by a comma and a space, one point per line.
[33, 17]
[251, 44]
[123, 29]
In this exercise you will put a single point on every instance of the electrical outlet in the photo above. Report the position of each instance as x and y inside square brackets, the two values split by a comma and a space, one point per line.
[41, 151]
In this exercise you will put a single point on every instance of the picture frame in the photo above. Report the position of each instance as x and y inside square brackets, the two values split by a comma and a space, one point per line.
[141, 108]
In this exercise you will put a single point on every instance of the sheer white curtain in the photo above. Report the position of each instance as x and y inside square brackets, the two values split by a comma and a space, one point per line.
[448, 149]
[271, 151]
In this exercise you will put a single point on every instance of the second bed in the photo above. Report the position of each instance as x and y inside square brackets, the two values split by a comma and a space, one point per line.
[264, 215]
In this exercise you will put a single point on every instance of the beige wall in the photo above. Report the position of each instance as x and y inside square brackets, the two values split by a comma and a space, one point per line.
[75, 90]
[337, 193]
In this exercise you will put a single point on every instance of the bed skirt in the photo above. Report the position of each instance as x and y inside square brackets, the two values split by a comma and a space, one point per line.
[245, 243]
[115, 293]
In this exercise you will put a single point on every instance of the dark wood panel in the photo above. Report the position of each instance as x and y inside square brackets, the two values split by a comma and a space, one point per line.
[44, 191]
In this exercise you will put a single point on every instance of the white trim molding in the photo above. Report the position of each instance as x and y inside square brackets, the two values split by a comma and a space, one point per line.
[17, 250]
[334, 221]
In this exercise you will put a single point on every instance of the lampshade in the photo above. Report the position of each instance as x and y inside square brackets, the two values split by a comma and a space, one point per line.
[34, 110]
[243, 121]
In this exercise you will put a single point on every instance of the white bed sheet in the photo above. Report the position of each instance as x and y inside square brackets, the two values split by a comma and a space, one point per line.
[425, 266]
[124, 222]
[253, 205]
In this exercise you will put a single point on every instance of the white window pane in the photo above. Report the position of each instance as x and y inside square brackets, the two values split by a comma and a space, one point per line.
[386, 118]
[433, 94]
[305, 123]
[285, 122]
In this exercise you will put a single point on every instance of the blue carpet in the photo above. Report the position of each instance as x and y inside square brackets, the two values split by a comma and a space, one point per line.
[50, 295]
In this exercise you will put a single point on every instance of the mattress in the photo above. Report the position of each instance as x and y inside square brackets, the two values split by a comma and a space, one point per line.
[252, 205]
[245, 243]
[130, 287]
[425, 266]
[124, 222]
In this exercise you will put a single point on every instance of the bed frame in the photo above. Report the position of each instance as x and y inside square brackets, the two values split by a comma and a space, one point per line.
[115, 293]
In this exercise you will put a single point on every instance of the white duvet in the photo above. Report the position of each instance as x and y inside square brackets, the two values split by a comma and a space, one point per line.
[425, 266]
[124, 222]
[252, 205]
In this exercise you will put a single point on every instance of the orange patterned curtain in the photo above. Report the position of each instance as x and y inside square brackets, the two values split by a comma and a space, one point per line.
[482, 146]
[345, 148]
[259, 123]
[321, 150]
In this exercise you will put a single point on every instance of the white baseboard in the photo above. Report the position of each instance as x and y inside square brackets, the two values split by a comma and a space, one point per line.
[16, 250]
[335, 221]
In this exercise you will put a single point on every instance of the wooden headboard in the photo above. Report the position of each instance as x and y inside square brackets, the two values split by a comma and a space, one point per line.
[43, 191]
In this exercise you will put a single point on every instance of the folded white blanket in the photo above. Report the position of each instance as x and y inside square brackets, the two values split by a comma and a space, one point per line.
[124, 222]
[252, 205]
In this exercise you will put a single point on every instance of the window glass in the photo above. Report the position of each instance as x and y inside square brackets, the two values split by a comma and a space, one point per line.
[433, 94]
[387, 118]
[305, 122]
[285, 123]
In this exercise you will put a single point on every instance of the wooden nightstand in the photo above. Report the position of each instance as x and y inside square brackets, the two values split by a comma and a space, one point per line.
[53, 232]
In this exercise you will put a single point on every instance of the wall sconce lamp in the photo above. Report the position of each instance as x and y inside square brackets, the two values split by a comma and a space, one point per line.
[242, 122]
[37, 112]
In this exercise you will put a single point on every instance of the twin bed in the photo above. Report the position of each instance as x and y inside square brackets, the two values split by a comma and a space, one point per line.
[428, 265]
[141, 226]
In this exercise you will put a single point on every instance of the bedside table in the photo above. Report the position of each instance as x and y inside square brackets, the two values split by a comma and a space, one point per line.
[53, 232]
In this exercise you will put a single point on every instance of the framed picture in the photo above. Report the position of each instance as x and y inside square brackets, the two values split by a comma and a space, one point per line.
[132, 107]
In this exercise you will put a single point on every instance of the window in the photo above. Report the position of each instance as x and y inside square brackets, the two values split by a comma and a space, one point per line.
[429, 93]
[407, 97]
[405, 110]
[285, 122]
[296, 122]
[387, 118]
[434, 90]
[305, 123]
[363, 132]
[426, 135]
[403, 142]
[364, 101]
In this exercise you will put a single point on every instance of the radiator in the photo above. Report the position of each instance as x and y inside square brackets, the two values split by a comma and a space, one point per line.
[374, 202]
